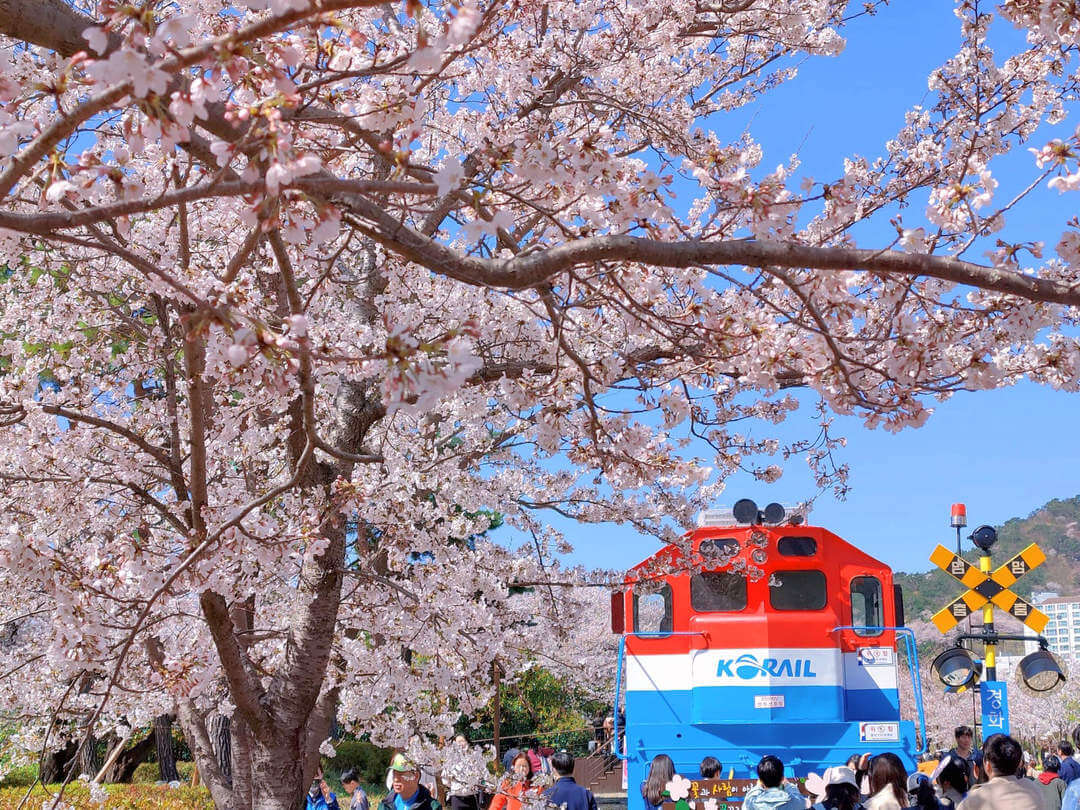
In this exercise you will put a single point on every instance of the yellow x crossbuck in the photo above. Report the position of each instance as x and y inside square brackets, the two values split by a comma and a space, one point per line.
[985, 587]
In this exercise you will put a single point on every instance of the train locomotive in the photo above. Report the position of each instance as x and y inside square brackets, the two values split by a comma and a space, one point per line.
[761, 635]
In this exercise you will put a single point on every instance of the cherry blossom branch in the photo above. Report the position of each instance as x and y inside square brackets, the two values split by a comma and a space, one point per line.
[48, 224]
[66, 125]
[532, 269]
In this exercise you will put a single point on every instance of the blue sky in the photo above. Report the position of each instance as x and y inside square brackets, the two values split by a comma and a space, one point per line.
[1003, 453]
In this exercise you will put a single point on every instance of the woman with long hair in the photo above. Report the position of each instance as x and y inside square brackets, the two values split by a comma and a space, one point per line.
[952, 778]
[516, 784]
[661, 771]
[888, 783]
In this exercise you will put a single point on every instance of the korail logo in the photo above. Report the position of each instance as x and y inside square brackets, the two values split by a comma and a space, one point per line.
[748, 667]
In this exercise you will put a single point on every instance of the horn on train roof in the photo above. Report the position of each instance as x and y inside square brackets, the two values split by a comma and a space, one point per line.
[794, 514]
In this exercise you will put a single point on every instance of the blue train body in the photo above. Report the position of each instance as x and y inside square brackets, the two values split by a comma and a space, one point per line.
[786, 646]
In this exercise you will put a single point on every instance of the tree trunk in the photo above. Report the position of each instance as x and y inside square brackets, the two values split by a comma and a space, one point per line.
[163, 742]
[241, 761]
[276, 776]
[123, 769]
[89, 761]
[221, 740]
[54, 765]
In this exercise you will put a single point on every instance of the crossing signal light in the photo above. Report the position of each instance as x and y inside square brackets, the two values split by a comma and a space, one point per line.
[1040, 673]
[957, 669]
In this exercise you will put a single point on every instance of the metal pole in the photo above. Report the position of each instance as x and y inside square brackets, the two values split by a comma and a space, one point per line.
[990, 657]
[975, 719]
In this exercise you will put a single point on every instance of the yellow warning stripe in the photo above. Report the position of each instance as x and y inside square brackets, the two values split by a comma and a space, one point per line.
[1031, 557]
[971, 600]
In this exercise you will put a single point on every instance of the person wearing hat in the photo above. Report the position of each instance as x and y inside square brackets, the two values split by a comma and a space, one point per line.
[406, 792]
[841, 790]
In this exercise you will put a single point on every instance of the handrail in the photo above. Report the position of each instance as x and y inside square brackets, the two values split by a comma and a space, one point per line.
[913, 669]
[618, 677]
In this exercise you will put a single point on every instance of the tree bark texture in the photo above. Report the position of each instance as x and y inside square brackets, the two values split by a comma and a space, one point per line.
[54, 764]
[89, 761]
[221, 740]
[163, 742]
[241, 761]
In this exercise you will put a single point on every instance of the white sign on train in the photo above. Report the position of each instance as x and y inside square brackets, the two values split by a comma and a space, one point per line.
[876, 656]
[768, 701]
[879, 732]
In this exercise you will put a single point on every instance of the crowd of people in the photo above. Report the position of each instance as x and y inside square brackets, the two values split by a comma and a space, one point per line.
[532, 778]
[999, 776]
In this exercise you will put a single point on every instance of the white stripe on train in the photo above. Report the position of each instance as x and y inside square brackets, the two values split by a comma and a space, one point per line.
[760, 667]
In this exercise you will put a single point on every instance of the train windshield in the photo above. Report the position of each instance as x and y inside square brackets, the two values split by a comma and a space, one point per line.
[797, 590]
[717, 591]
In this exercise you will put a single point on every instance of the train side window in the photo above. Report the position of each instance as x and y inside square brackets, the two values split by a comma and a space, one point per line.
[797, 546]
[652, 610]
[717, 591]
[866, 606]
[797, 590]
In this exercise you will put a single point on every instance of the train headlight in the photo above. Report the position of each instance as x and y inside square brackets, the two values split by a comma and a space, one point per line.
[956, 668]
[1040, 673]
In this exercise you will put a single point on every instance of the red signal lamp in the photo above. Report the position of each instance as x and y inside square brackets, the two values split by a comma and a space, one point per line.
[958, 516]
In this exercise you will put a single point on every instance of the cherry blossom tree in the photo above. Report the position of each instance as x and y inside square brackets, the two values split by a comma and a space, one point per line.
[298, 291]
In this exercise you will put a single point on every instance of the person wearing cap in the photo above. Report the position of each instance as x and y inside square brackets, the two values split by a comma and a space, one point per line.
[841, 790]
[406, 792]
[1002, 756]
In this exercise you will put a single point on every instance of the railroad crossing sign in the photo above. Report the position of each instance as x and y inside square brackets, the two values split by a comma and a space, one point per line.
[983, 587]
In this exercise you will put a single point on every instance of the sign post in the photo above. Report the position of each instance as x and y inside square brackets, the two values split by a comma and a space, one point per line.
[987, 588]
[995, 708]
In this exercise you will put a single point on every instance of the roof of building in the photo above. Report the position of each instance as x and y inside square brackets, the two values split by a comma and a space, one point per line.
[1059, 600]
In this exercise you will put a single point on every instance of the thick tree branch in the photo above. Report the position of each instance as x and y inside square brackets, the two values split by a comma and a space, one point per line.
[540, 267]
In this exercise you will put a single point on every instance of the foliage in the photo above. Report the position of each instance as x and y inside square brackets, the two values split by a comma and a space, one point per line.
[148, 772]
[20, 776]
[371, 761]
[120, 797]
[556, 710]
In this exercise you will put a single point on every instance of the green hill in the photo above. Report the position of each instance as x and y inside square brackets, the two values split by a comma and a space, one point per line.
[1055, 527]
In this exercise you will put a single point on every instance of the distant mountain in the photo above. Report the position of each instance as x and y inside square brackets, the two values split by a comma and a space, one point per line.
[1055, 527]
